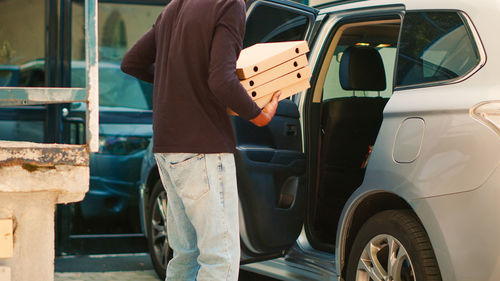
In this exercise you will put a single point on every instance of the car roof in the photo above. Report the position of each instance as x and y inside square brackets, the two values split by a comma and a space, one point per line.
[467, 6]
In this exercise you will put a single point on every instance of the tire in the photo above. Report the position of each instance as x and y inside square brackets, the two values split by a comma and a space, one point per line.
[159, 249]
[412, 257]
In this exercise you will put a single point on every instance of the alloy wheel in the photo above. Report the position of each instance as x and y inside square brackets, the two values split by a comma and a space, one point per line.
[385, 259]
[159, 239]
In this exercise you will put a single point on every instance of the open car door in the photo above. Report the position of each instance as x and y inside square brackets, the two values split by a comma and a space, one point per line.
[270, 162]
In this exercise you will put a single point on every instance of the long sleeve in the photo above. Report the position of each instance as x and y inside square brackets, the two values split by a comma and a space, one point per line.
[226, 46]
[139, 60]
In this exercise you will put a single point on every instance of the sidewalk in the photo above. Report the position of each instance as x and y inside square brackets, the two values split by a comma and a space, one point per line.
[147, 275]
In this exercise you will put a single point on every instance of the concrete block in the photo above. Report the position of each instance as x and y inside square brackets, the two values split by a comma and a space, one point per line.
[35, 177]
[263, 56]
[6, 240]
[33, 167]
[5, 273]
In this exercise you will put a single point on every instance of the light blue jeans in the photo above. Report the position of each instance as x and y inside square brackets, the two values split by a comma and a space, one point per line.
[202, 215]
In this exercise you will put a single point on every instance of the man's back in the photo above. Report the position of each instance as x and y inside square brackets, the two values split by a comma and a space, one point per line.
[194, 45]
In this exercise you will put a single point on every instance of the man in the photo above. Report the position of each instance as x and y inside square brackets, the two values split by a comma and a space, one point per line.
[190, 56]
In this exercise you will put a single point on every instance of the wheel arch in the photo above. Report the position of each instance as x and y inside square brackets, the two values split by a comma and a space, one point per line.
[152, 178]
[359, 210]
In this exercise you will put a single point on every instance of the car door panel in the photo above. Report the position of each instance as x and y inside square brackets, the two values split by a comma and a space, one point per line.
[270, 162]
[271, 167]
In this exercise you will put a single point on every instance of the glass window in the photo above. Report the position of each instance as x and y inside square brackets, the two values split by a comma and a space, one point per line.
[110, 206]
[9, 76]
[21, 20]
[120, 26]
[21, 130]
[333, 89]
[382, 37]
[116, 89]
[272, 24]
[22, 65]
[434, 46]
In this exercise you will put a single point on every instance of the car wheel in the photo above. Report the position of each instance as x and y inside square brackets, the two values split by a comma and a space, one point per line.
[392, 246]
[158, 246]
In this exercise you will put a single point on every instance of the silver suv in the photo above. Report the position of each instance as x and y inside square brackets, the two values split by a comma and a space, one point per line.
[387, 168]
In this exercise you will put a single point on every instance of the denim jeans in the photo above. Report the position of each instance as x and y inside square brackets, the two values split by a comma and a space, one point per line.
[202, 215]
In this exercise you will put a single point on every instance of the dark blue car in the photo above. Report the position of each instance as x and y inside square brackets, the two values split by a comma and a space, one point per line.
[124, 133]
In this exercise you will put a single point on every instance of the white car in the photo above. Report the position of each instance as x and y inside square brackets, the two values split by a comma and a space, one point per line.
[387, 168]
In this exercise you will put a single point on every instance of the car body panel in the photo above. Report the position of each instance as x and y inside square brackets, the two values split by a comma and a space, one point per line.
[461, 241]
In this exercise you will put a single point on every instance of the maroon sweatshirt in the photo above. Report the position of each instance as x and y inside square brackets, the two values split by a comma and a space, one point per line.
[190, 56]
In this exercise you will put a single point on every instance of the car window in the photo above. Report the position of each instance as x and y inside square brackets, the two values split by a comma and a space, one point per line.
[269, 23]
[333, 89]
[19, 130]
[382, 37]
[434, 46]
[116, 89]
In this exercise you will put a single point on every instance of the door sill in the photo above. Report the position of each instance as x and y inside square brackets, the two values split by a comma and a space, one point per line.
[297, 267]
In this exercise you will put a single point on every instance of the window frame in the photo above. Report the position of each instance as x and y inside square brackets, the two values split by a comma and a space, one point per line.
[289, 7]
[475, 40]
[20, 96]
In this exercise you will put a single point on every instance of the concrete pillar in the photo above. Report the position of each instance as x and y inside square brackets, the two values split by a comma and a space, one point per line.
[33, 179]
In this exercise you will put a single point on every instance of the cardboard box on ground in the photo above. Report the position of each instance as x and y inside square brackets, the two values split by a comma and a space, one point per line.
[265, 68]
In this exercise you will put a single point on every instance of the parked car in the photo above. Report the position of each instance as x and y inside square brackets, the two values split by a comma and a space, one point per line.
[125, 131]
[387, 168]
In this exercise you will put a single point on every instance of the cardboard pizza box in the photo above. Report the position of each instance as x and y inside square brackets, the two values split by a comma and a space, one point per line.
[285, 92]
[275, 72]
[292, 78]
[263, 56]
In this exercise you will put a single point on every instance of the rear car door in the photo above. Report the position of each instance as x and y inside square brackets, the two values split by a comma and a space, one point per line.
[270, 161]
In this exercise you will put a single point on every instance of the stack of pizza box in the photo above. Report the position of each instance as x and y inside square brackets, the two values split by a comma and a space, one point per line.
[266, 68]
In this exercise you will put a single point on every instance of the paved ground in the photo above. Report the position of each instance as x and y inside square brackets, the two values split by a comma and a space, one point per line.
[148, 275]
[123, 267]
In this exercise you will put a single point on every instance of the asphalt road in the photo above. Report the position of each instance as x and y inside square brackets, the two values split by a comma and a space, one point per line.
[122, 267]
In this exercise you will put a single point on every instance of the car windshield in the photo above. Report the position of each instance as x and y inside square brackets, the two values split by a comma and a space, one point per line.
[117, 89]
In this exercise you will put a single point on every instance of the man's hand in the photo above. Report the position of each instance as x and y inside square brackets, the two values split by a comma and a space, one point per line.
[267, 112]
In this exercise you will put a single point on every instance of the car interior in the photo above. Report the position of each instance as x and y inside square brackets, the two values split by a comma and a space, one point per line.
[353, 87]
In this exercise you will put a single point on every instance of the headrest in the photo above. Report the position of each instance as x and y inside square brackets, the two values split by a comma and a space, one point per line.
[362, 69]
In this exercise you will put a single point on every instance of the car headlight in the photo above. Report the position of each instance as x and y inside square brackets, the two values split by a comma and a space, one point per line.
[122, 145]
